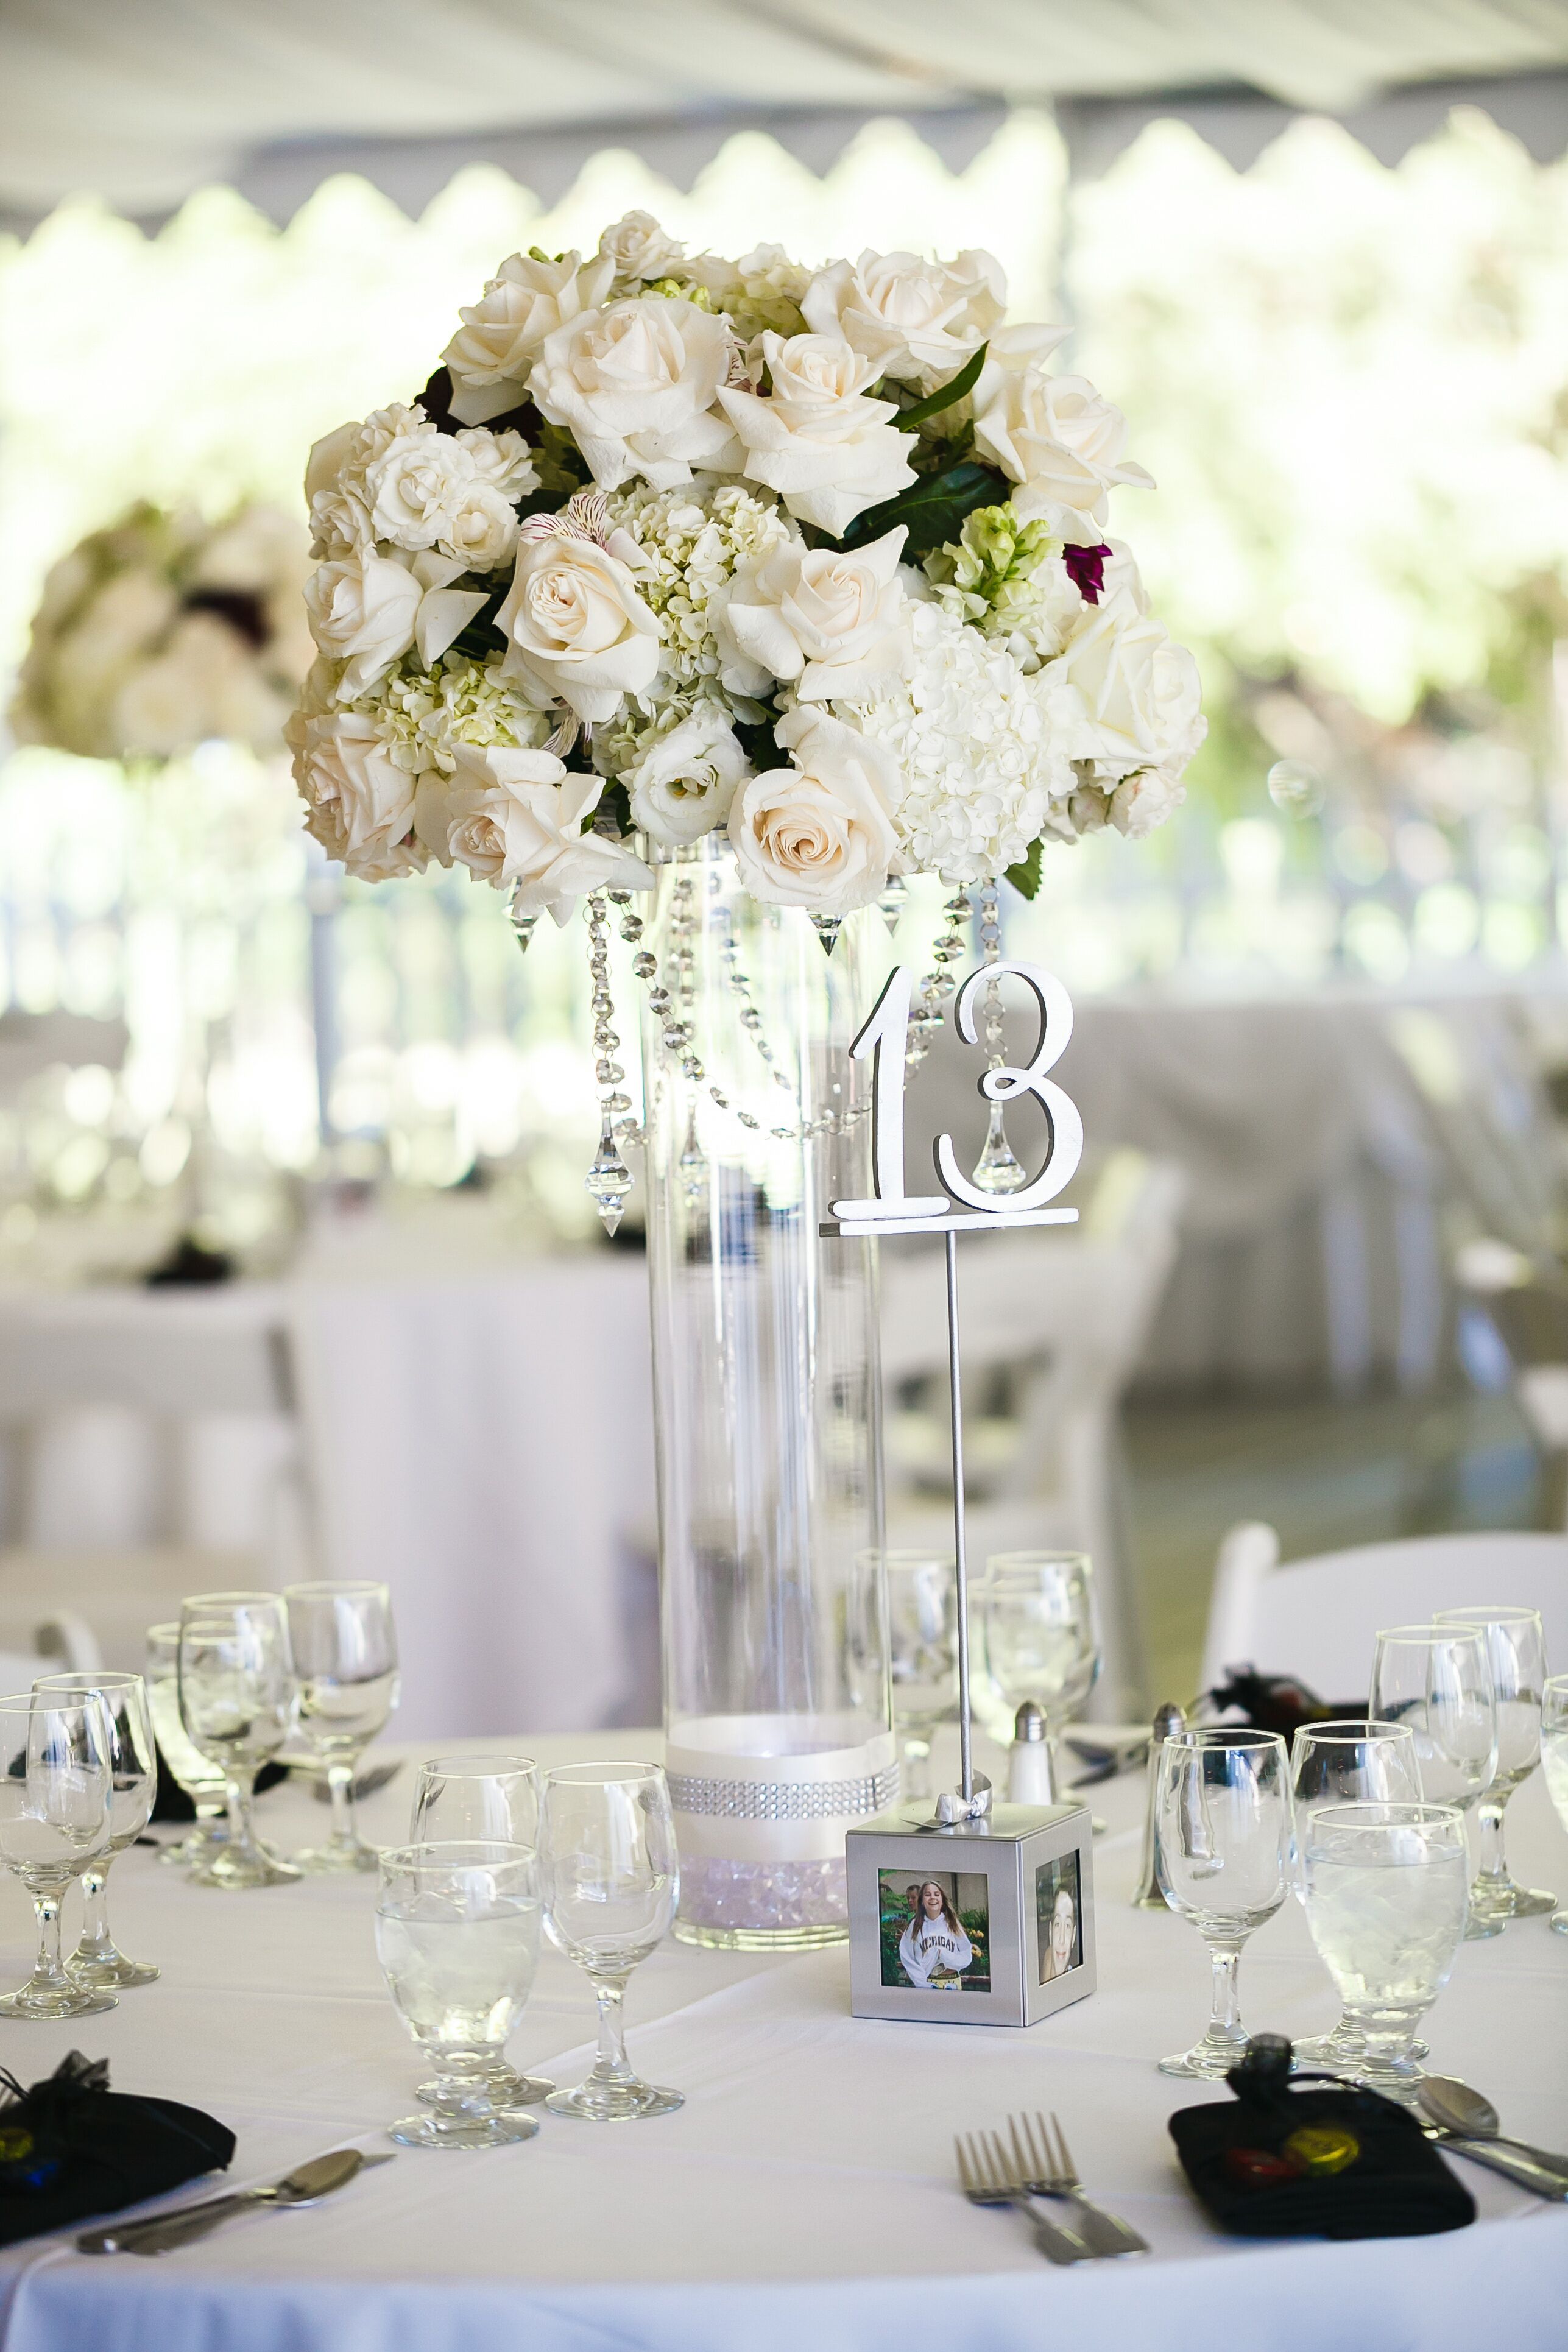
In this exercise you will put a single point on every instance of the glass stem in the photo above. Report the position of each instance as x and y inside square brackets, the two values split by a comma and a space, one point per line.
[1225, 2009]
[612, 2065]
[340, 1789]
[916, 1760]
[49, 1968]
[97, 1943]
[240, 1795]
[1493, 1867]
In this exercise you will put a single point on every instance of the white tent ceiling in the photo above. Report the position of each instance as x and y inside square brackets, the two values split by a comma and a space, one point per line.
[143, 101]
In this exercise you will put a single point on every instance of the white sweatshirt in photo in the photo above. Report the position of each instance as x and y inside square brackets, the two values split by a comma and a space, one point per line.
[927, 1945]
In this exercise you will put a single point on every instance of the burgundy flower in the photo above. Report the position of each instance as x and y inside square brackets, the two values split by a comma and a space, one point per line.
[1086, 568]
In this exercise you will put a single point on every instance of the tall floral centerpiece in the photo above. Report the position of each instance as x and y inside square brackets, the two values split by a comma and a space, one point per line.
[755, 588]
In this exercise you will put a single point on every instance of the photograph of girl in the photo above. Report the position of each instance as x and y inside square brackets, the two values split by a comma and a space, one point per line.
[934, 1932]
[1056, 1917]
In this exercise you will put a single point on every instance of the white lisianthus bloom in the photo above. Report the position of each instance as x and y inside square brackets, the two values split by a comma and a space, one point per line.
[1060, 442]
[503, 459]
[481, 531]
[683, 785]
[501, 336]
[415, 489]
[636, 386]
[363, 610]
[912, 319]
[835, 624]
[514, 817]
[1132, 696]
[827, 449]
[359, 801]
[1144, 799]
[577, 631]
[641, 249]
[818, 834]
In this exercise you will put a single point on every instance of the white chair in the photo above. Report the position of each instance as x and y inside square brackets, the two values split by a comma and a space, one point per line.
[62, 1642]
[1317, 1618]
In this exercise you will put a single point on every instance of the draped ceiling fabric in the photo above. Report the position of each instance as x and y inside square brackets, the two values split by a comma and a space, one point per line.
[142, 101]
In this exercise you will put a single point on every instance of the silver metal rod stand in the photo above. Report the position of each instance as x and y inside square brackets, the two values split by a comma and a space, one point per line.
[961, 1564]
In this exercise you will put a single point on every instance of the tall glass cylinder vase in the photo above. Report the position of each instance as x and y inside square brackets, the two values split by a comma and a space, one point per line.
[767, 1401]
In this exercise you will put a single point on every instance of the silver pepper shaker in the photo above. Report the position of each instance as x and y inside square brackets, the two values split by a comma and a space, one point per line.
[1168, 1720]
[1030, 1777]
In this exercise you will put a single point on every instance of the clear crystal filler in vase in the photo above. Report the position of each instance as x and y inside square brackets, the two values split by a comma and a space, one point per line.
[777, 1698]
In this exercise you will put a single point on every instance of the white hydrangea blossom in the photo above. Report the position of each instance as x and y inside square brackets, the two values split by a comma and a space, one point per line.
[422, 715]
[694, 539]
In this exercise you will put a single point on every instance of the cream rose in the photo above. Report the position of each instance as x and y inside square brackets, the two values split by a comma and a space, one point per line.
[1059, 441]
[819, 834]
[503, 459]
[363, 610]
[415, 489]
[1133, 697]
[834, 622]
[481, 528]
[827, 449]
[683, 787]
[488, 359]
[1144, 799]
[360, 804]
[912, 319]
[636, 386]
[513, 817]
[639, 248]
[577, 629]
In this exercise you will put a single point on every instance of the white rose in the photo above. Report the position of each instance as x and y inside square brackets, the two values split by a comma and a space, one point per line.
[363, 610]
[481, 528]
[488, 359]
[1055, 437]
[360, 803]
[834, 622]
[514, 817]
[639, 247]
[684, 786]
[1133, 697]
[503, 459]
[818, 835]
[909, 318]
[577, 631]
[827, 451]
[416, 488]
[1143, 799]
[635, 385]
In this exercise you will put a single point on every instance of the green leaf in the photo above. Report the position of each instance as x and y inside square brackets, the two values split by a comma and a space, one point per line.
[756, 739]
[948, 396]
[1025, 875]
[933, 509]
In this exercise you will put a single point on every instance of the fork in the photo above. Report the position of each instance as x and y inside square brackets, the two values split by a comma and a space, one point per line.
[1047, 2173]
[986, 2178]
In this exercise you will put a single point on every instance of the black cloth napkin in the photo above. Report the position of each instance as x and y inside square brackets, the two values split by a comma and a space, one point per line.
[1272, 1703]
[1287, 2162]
[71, 2148]
[172, 1803]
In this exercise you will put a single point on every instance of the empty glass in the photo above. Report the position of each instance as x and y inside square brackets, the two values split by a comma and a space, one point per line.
[1338, 1763]
[923, 1642]
[456, 1934]
[1223, 1829]
[57, 1815]
[1438, 1679]
[1037, 1612]
[611, 1882]
[196, 1774]
[237, 1702]
[345, 1665]
[134, 1765]
[1385, 1900]
[1554, 1759]
[1517, 1647]
[494, 1797]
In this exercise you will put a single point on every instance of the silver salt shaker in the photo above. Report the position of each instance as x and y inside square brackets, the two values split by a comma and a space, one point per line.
[1168, 1720]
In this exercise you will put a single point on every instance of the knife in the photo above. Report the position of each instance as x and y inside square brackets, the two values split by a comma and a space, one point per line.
[160, 2233]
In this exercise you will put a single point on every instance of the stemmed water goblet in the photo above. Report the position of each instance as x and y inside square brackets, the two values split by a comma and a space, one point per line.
[196, 1774]
[1437, 1680]
[56, 1816]
[1038, 1614]
[922, 1643]
[133, 1767]
[1336, 1763]
[1385, 1889]
[456, 1934]
[611, 1883]
[1223, 1829]
[1554, 1761]
[236, 1702]
[486, 1798]
[345, 1665]
[1515, 1647]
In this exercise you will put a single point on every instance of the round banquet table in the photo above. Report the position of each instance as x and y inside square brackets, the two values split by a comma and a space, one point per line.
[805, 2196]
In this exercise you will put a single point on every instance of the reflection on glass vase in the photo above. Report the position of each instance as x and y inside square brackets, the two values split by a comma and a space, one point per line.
[767, 1404]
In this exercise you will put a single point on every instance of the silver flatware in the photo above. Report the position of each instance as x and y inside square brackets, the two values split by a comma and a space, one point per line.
[1466, 2121]
[160, 2233]
[1048, 2172]
[986, 2178]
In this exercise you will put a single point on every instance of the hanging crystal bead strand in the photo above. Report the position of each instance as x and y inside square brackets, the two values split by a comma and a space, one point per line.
[609, 1180]
[998, 1169]
[937, 986]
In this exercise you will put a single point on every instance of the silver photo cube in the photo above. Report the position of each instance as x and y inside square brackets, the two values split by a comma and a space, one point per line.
[987, 1923]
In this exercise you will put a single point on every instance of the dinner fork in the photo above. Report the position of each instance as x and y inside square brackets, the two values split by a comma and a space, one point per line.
[1052, 2173]
[986, 2179]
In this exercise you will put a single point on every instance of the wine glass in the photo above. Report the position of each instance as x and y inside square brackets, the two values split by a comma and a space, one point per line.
[57, 1815]
[1338, 1763]
[484, 1797]
[196, 1774]
[1516, 1645]
[345, 1663]
[133, 1766]
[237, 1701]
[1386, 1899]
[1038, 1616]
[611, 1882]
[456, 1934]
[1554, 1759]
[1224, 1827]
[1438, 1680]
[922, 1640]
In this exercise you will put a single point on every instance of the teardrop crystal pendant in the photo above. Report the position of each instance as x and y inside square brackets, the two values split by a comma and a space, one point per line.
[609, 1180]
[522, 925]
[693, 1166]
[828, 927]
[998, 1169]
[893, 900]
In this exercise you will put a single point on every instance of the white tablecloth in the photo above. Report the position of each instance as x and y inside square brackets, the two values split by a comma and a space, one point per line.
[803, 2197]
